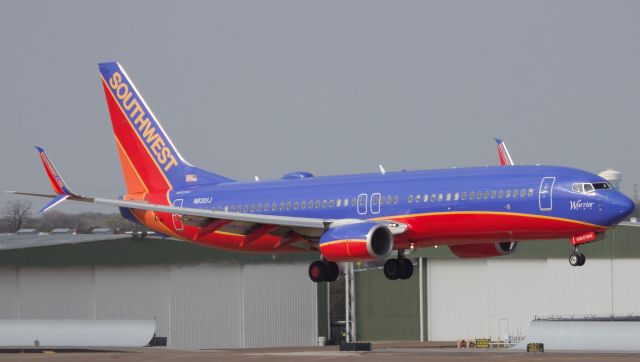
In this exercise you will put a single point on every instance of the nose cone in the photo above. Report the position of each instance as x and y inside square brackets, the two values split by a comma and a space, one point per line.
[622, 206]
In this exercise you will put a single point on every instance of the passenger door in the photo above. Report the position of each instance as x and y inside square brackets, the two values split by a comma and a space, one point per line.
[545, 194]
[177, 219]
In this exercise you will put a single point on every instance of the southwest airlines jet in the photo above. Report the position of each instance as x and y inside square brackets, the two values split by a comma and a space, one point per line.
[477, 212]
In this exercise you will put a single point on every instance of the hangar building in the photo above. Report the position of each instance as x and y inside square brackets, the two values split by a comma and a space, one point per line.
[199, 297]
[497, 297]
[207, 298]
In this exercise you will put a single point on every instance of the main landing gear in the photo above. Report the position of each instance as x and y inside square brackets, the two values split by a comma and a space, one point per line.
[577, 258]
[323, 271]
[401, 268]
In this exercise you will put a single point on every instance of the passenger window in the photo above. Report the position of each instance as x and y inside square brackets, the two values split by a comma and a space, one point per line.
[523, 193]
[310, 204]
[418, 198]
[253, 208]
[331, 202]
[281, 205]
[303, 205]
[288, 205]
[500, 194]
[395, 199]
[530, 192]
[346, 202]
[464, 196]
[456, 196]
[448, 196]
[472, 195]
[226, 208]
[339, 203]
[507, 194]
[440, 196]
[296, 205]
[486, 195]
[266, 206]
[353, 201]
[410, 199]
[515, 192]
[233, 208]
[425, 197]
[493, 194]
[433, 197]
[324, 204]
[317, 204]
[389, 200]
[259, 207]
[246, 208]
[274, 206]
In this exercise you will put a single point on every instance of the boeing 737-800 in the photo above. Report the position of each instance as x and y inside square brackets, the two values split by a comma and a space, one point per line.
[476, 212]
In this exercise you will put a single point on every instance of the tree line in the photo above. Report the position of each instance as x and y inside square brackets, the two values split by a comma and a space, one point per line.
[18, 214]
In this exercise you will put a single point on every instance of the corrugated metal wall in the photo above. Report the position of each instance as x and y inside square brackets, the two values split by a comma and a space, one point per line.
[385, 309]
[202, 306]
[496, 297]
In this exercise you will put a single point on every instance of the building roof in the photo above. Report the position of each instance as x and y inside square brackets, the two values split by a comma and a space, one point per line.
[21, 241]
[120, 249]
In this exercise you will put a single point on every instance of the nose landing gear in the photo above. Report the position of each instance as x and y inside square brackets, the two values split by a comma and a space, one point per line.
[577, 258]
[401, 268]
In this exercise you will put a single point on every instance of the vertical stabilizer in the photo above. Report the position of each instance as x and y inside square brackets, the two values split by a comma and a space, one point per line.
[150, 161]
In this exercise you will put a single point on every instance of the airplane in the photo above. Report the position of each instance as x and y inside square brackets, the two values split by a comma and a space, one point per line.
[477, 212]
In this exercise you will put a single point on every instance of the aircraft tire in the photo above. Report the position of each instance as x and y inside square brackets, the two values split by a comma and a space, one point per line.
[583, 259]
[318, 271]
[406, 270]
[333, 272]
[574, 259]
[392, 269]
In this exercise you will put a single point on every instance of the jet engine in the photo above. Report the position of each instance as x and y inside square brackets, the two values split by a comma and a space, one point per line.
[484, 250]
[356, 241]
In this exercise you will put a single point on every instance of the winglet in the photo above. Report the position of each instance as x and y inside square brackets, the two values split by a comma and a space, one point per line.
[57, 183]
[503, 153]
[53, 203]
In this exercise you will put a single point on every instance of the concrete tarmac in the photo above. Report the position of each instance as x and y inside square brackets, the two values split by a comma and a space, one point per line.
[383, 352]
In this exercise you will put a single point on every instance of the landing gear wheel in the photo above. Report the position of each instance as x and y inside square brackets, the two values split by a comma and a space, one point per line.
[406, 270]
[392, 269]
[582, 260]
[333, 271]
[577, 259]
[574, 259]
[318, 271]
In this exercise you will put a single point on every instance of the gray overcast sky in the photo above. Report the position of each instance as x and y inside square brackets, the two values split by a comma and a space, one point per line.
[250, 88]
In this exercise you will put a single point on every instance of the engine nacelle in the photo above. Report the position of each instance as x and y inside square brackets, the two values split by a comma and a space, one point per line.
[484, 250]
[356, 241]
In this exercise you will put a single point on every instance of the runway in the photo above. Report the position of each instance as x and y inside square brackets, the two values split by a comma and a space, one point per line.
[382, 353]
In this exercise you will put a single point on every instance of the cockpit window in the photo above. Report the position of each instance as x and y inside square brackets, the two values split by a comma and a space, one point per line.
[584, 187]
[601, 185]
[577, 188]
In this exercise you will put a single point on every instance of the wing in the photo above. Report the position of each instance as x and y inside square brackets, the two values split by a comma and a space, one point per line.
[290, 229]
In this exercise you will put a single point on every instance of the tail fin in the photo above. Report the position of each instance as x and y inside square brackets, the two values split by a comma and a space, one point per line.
[150, 161]
[503, 153]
